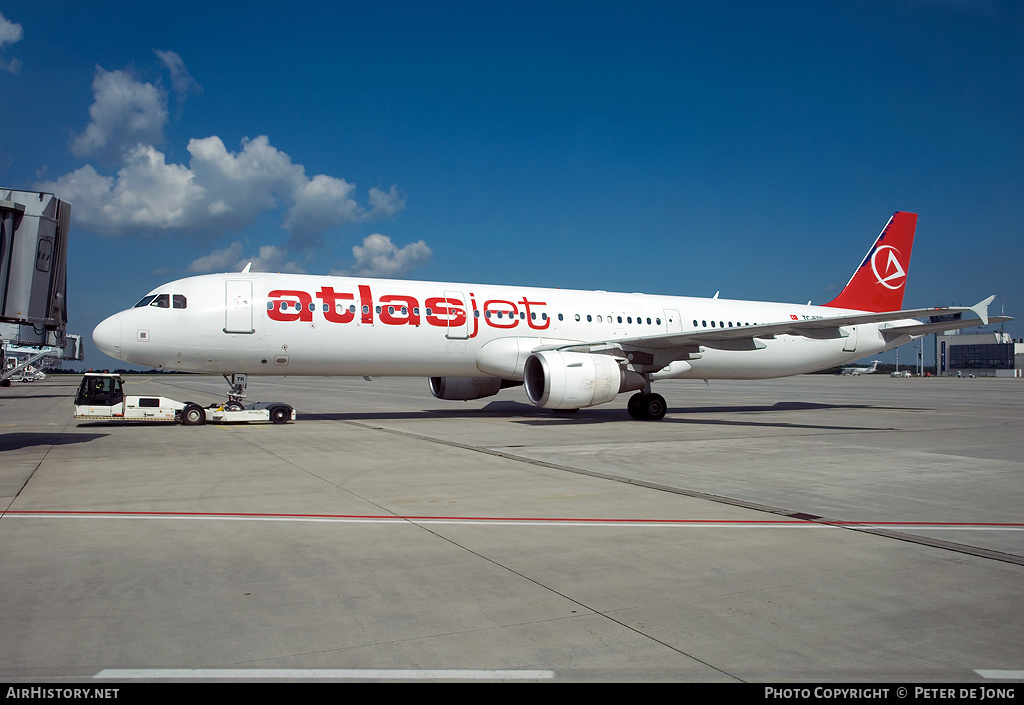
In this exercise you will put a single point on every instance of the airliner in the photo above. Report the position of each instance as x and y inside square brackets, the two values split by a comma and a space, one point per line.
[869, 370]
[569, 349]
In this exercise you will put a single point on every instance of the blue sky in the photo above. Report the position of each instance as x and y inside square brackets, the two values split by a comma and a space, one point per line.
[680, 148]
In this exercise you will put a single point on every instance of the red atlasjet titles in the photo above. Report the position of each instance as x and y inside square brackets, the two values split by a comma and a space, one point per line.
[402, 309]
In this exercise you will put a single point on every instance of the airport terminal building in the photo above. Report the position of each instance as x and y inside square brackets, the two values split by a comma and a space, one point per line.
[991, 354]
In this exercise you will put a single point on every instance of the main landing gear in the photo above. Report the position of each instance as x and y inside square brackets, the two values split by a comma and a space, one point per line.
[647, 406]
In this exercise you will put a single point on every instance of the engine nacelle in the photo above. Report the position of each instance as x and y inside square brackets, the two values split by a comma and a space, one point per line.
[465, 388]
[572, 380]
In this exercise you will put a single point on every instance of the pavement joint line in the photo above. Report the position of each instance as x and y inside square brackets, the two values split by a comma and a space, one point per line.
[696, 494]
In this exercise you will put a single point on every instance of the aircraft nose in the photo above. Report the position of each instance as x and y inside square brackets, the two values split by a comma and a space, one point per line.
[107, 336]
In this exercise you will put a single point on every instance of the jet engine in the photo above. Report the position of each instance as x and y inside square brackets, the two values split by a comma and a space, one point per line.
[465, 388]
[572, 380]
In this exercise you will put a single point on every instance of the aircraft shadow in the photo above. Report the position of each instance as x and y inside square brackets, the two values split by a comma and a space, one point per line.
[15, 441]
[29, 395]
[532, 415]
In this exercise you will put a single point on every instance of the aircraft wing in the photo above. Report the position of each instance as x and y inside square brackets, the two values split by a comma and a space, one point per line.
[939, 326]
[828, 327]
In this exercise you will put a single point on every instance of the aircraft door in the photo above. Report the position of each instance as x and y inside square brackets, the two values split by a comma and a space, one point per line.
[673, 323]
[850, 342]
[458, 329]
[238, 306]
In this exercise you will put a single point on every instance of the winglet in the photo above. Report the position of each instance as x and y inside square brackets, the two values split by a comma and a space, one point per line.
[879, 282]
[980, 309]
[245, 269]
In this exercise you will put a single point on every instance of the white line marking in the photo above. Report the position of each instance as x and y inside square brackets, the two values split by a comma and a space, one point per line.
[324, 673]
[999, 675]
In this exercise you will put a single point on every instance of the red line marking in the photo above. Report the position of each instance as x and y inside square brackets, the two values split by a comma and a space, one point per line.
[256, 515]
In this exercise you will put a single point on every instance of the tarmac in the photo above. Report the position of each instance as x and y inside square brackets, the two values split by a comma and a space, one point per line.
[812, 529]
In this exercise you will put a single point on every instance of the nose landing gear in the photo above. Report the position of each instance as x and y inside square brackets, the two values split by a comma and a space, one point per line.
[237, 383]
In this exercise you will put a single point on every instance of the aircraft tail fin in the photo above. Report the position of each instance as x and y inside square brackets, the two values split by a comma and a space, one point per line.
[879, 282]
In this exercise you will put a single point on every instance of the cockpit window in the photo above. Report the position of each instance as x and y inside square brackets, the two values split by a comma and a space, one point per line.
[163, 301]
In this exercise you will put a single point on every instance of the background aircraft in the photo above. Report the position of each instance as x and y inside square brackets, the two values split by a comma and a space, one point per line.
[869, 370]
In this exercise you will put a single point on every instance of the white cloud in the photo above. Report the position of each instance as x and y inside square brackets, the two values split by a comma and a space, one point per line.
[272, 258]
[269, 258]
[379, 257]
[10, 33]
[318, 204]
[147, 195]
[386, 203]
[124, 114]
[182, 82]
[216, 191]
[218, 260]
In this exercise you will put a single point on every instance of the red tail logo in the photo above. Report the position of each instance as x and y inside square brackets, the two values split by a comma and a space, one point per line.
[879, 282]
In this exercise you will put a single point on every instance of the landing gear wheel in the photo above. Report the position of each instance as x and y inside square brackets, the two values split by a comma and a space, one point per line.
[193, 415]
[634, 406]
[647, 407]
[653, 406]
[234, 406]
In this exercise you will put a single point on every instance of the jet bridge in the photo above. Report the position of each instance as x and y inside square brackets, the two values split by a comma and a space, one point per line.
[33, 281]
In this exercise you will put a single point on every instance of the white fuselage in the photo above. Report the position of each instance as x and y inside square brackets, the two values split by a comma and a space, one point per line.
[283, 324]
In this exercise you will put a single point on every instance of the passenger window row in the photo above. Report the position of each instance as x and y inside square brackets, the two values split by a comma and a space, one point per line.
[161, 301]
[611, 318]
[720, 324]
